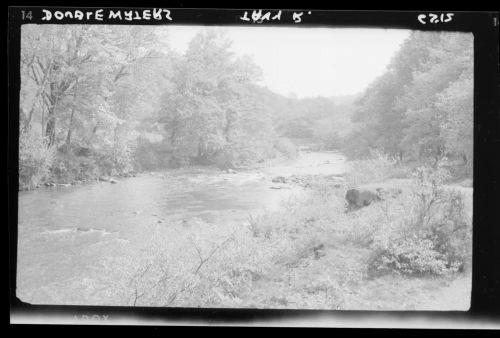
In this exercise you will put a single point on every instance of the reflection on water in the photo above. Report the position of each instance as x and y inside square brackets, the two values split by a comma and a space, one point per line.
[61, 229]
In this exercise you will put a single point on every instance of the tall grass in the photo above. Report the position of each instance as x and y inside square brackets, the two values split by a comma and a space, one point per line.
[378, 167]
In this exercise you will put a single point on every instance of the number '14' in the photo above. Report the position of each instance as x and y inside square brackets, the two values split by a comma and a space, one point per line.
[26, 15]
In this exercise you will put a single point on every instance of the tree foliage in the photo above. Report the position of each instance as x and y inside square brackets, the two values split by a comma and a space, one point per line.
[83, 91]
[212, 112]
[420, 109]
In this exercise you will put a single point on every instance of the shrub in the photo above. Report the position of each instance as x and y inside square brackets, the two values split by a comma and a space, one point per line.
[432, 232]
[68, 167]
[325, 136]
[285, 147]
[236, 155]
[35, 159]
[412, 254]
[114, 159]
[149, 155]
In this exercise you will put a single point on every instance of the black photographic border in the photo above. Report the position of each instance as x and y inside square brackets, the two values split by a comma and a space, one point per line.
[485, 298]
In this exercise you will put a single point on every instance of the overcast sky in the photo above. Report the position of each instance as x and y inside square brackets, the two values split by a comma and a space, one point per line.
[309, 61]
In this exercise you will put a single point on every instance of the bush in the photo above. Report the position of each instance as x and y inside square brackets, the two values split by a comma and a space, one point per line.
[325, 135]
[237, 155]
[114, 159]
[35, 159]
[285, 147]
[148, 155]
[68, 167]
[433, 232]
[410, 255]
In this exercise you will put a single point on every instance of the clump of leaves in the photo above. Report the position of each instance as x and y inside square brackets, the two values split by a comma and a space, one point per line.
[409, 255]
[35, 159]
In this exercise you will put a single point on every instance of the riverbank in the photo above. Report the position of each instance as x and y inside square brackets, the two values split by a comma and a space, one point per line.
[276, 167]
[166, 172]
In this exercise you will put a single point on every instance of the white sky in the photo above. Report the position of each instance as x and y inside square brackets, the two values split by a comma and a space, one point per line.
[309, 61]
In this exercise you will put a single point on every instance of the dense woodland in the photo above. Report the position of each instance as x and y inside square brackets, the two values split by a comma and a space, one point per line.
[421, 109]
[111, 100]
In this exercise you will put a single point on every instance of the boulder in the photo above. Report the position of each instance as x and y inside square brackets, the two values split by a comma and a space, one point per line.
[279, 179]
[365, 195]
[319, 251]
[357, 198]
[113, 181]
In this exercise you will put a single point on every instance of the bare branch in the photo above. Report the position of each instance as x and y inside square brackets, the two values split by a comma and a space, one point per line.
[204, 260]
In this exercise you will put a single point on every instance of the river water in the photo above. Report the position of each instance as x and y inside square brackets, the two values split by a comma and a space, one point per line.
[64, 231]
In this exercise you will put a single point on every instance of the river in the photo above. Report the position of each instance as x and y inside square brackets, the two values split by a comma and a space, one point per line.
[64, 231]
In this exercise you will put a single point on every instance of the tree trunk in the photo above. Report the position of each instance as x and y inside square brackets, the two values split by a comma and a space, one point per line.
[70, 126]
[229, 122]
[199, 156]
[94, 131]
[38, 95]
[43, 119]
[68, 140]
[50, 130]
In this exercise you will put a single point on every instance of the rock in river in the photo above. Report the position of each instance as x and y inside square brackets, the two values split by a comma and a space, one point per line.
[279, 179]
[365, 195]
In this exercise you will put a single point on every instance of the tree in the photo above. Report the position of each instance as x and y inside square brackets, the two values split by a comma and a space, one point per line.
[211, 95]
